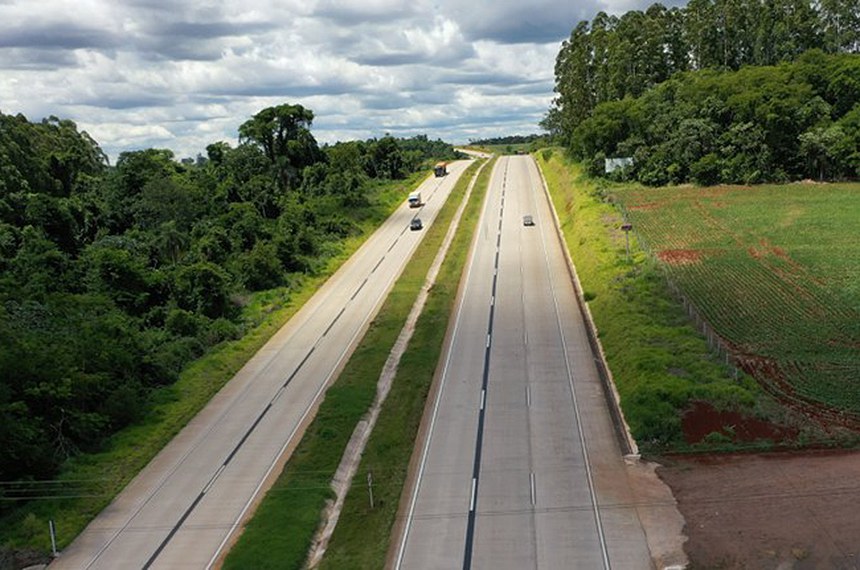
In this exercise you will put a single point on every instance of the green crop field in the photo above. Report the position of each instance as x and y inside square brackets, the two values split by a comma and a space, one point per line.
[775, 271]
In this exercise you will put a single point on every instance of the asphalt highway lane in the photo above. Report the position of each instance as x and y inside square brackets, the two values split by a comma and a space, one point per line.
[183, 508]
[520, 467]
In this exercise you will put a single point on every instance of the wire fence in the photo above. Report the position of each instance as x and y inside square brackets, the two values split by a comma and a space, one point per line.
[52, 489]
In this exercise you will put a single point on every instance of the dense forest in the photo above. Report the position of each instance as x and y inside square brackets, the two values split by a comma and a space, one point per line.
[735, 91]
[114, 277]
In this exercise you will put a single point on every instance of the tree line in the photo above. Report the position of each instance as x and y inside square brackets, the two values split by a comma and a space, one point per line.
[613, 70]
[114, 277]
[511, 139]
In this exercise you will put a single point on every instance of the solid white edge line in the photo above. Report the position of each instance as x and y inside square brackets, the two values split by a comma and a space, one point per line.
[589, 477]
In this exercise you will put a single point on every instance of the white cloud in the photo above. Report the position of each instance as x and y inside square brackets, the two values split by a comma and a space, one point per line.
[185, 73]
[132, 135]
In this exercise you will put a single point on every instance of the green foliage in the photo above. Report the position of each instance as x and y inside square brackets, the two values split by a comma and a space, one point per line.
[262, 268]
[283, 133]
[757, 124]
[51, 157]
[38, 266]
[203, 288]
[394, 158]
[612, 59]
[119, 269]
[113, 279]
[68, 362]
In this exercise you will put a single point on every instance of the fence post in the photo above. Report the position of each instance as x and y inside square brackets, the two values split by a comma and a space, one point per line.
[52, 529]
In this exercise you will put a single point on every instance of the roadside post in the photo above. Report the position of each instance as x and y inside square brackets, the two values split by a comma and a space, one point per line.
[627, 228]
[53, 532]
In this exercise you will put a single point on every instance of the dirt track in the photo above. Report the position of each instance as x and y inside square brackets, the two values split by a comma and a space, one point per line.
[769, 511]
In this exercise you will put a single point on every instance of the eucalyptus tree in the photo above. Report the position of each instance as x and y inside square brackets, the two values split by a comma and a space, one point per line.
[573, 83]
[840, 21]
[603, 41]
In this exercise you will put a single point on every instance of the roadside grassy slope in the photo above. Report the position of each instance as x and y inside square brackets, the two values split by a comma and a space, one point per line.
[89, 482]
[774, 269]
[280, 533]
[660, 364]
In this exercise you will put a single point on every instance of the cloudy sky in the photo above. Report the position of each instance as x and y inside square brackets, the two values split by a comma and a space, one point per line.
[185, 73]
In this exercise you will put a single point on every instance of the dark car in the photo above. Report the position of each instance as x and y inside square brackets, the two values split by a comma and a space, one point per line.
[528, 220]
[416, 224]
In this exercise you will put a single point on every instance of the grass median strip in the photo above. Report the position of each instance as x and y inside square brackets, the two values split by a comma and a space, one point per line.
[281, 531]
[362, 536]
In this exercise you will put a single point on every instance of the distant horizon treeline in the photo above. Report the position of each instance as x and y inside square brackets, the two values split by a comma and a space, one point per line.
[113, 278]
[673, 87]
[511, 139]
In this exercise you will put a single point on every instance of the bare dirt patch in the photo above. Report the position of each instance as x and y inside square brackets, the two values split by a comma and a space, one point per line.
[703, 419]
[755, 253]
[679, 256]
[781, 510]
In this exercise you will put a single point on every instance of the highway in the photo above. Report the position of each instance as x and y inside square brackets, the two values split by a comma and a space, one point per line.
[182, 510]
[519, 466]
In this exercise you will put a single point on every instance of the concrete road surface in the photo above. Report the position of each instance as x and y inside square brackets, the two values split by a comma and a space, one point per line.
[520, 467]
[182, 509]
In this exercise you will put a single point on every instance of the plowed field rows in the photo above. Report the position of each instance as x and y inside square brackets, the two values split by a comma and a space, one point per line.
[775, 271]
